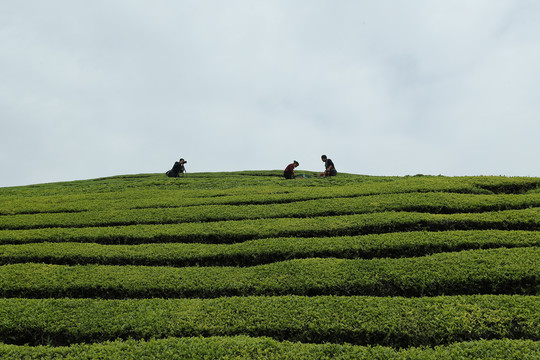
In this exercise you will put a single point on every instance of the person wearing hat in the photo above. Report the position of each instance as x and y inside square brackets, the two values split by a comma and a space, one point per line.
[177, 169]
[289, 170]
[330, 169]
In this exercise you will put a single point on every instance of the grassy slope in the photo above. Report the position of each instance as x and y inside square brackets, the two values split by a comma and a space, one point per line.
[256, 234]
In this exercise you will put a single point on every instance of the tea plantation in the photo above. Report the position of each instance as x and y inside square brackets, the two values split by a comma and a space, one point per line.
[247, 265]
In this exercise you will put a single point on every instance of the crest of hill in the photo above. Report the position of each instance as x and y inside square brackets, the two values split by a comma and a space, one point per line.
[258, 178]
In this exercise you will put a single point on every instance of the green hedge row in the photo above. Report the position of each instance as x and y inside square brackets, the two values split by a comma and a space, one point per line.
[390, 321]
[147, 195]
[494, 271]
[263, 251]
[264, 348]
[144, 197]
[238, 231]
[425, 202]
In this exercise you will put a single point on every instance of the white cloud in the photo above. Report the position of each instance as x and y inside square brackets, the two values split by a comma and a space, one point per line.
[387, 88]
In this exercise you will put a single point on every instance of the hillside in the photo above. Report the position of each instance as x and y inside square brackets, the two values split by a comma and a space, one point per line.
[247, 265]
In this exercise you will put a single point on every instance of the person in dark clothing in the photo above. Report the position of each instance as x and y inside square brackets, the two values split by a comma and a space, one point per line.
[177, 169]
[330, 169]
[289, 170]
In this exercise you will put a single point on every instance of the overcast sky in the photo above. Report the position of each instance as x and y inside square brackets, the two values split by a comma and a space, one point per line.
[107, 87]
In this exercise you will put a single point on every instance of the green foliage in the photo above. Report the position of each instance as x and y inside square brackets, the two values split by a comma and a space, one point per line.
[242, 230]
[296, 208]
[495, 271]
[387, 321]
[244, 347]
[261, 251]
[213, 189]
[247, 265]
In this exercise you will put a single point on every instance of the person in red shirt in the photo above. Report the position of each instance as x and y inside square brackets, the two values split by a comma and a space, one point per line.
[289, 170]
